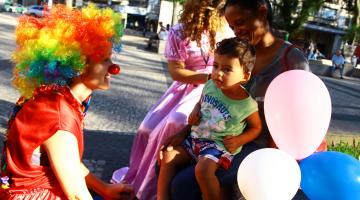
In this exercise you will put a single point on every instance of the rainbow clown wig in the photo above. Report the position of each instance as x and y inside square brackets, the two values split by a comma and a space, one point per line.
[54, 49]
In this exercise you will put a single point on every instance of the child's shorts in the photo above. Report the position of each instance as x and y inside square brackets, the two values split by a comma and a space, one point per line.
[207, 148]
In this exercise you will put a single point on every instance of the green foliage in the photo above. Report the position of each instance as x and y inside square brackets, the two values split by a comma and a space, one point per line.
[295, 13]
[353, 34]
[179, 1]
[350, 5]
[344, 147]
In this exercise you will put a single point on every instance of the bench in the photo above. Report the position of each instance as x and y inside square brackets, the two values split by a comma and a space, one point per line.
[323, 68]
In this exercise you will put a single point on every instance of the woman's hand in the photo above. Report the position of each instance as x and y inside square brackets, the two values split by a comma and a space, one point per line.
[174, 141]
[118, 191]
[195, 115]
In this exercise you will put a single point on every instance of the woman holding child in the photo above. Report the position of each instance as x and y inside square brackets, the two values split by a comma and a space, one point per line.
[251, 21]
[225, 118]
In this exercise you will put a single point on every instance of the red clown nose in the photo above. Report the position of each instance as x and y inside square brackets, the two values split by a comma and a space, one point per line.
[114, 69]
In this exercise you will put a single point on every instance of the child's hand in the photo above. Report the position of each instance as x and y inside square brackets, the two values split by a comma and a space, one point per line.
[195, 116]
[231, 143]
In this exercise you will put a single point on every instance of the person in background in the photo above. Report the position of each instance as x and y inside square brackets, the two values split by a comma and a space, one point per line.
[354, 60]
[250, 20]
[357, 52]
[189, 52]
[311, 51]
[161, 35]
[338, 62]
[162, 27]
[60, 60]
[223, 121]
[164, 34]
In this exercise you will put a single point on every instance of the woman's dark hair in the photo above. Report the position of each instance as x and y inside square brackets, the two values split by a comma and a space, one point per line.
[238, 48]
[252, 5]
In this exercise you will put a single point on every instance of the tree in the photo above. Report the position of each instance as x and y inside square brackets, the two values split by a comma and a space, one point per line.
[353, 34]
[175, 4]
[357, 20]
[292, 14]
[181, 2]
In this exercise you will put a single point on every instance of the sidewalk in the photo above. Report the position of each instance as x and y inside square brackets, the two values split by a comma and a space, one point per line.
[322, 69]
[115, 115]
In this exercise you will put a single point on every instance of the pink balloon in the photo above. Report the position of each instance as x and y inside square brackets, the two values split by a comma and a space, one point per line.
[297, 109]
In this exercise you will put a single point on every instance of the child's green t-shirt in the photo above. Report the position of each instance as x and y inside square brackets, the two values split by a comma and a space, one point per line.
[222, 116]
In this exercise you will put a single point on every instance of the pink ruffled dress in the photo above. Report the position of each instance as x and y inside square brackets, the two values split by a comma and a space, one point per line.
[169, 114]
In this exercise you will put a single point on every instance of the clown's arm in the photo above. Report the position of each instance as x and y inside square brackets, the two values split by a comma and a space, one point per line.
[63, 154]
[107, 191]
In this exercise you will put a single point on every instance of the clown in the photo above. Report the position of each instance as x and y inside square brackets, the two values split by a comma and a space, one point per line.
[60, 60]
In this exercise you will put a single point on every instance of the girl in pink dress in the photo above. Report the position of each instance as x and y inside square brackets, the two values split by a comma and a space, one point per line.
[189, 53]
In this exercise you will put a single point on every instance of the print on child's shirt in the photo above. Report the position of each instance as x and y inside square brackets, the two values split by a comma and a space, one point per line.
[213, 116]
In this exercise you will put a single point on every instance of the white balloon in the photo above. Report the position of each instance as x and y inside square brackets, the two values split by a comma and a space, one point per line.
[269, 174]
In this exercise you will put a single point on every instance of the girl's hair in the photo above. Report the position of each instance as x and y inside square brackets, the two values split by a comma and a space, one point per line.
[202, 15]
[237, 48]
[54, 49]
[252, 5]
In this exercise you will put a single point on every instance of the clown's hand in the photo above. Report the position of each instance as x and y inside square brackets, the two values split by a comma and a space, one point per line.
[119, 191]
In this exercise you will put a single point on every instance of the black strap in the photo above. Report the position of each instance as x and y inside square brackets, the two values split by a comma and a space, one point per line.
[284, 59]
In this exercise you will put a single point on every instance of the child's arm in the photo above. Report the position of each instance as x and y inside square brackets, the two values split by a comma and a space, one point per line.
[195, 115]
[251, 132]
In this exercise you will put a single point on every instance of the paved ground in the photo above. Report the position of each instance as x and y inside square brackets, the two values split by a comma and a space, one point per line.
[115, 114]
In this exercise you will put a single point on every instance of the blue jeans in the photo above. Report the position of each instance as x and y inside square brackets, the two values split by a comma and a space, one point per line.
[341, 68]
[184, 185]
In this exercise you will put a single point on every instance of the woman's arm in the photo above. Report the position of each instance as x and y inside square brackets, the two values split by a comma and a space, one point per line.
[179, 73]
[62, 151]
[252, 131]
